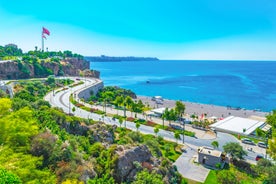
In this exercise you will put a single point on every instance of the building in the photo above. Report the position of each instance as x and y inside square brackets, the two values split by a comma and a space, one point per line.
[211, 157]
[156, 112]
[238, 125]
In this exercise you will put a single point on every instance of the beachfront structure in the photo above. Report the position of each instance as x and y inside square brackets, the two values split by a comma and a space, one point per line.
[157, 98]
[156, 112]
[238, 125]
[211, 157]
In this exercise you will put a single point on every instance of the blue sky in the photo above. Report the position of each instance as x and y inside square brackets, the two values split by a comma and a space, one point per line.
[175, 29]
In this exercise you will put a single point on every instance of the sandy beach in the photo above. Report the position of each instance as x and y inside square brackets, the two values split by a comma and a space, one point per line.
[199, 109]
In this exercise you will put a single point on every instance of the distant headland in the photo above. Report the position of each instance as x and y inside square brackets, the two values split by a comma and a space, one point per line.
[104, 58]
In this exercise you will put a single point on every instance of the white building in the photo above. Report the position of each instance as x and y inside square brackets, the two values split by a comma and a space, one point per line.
[237, 125]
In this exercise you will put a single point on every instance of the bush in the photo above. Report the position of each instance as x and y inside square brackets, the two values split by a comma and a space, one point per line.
[136, 137]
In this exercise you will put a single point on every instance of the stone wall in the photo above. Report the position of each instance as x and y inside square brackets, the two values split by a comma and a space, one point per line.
[87, 92]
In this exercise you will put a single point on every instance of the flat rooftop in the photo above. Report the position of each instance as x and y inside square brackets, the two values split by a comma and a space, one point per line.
[159, 110]
[209, 151]
[238, 125]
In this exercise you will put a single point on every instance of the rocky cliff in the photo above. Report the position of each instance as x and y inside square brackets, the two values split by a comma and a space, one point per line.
[133, 160]
[68, 66]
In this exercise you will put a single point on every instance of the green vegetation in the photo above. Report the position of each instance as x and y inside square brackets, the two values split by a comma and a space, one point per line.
[36, 63]
[271, 135]
[40, 144]
[212, 177]
[235, 150]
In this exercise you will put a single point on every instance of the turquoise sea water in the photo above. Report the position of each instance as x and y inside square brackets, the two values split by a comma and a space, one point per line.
[245, 84]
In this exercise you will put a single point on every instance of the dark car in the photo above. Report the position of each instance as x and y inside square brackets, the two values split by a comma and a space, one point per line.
[258, 157]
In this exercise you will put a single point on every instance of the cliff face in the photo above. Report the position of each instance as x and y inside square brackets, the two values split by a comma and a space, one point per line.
[69, 66]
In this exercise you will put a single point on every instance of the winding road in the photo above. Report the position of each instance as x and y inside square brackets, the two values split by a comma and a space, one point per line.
[61, 100]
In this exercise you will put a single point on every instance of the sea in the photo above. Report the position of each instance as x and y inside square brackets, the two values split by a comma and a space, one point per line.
[243, 84]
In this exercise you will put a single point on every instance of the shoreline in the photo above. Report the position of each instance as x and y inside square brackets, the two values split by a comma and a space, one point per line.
[199, 109]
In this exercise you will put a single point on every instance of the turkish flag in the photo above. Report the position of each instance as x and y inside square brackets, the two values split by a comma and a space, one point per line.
[46, 31]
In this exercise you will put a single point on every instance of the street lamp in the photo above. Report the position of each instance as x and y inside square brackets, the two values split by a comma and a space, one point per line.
[183, 131]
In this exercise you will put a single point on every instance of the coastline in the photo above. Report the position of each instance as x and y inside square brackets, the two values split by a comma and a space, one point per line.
[199, 109]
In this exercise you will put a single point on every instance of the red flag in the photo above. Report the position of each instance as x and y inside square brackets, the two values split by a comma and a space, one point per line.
[46, 31]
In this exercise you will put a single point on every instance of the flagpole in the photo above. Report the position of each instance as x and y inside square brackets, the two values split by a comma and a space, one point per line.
[42, 46]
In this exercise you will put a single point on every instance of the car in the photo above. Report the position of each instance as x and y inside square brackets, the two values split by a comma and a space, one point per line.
[262, 145]
[247, 141]
[258, 157]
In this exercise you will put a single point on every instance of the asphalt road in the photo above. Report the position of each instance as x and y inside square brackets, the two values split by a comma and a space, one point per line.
[61, 100]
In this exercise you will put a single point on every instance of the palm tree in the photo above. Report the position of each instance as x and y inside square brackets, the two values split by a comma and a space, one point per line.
[179, 110]
[166, 115]
[107, 97]
[118, 101]
[215, 144]
[156, 130]
[163, 119]
[128, 102]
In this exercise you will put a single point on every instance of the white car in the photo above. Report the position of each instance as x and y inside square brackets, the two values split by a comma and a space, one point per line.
[247, 141]
[262, 145]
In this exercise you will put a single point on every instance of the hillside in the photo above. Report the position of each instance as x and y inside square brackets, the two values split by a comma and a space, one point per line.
[17, 65]
[40, 144]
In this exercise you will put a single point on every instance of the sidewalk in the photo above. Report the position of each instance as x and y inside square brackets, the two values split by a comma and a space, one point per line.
[200, 134]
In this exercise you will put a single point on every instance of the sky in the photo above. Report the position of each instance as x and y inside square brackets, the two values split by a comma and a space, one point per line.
[167, 29]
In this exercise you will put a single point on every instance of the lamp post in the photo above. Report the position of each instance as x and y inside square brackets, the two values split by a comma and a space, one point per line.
[183, 131]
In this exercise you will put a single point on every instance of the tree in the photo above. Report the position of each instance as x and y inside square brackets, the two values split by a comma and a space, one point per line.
[215, 144]
[118, 101]
[144, 177]
[156, 130]
[17, 129]
[272, 147]
[73, 109]
[137, 126]
[51, 81]
[120, 121]
[235, 150]
[128, 102]
[7, 177]
[179, 111]
[5, 105]
[169, 115]
[177, 136]
[271, 175]
[271, 118]
[163, 116]
[227, 177]
[107, 96]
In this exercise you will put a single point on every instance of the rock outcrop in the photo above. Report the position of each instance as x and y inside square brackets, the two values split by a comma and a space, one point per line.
[68, 66]
[126, 169]
[102, 133]
[135, 159]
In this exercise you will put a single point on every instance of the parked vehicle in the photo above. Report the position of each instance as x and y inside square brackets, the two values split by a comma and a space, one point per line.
[258, 157]
[262, 145]
[247, 141]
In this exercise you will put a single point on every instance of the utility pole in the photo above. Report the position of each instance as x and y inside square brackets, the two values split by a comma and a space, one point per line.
[69, 105]
[183, 131]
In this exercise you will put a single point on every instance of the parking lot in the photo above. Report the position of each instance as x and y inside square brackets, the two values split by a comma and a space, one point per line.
[188, 169]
